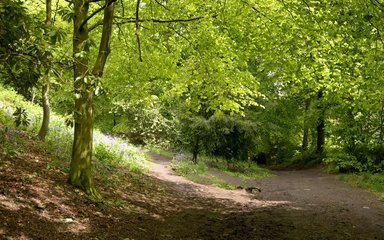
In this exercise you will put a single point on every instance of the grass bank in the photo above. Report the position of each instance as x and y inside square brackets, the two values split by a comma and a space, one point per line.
[373, 182]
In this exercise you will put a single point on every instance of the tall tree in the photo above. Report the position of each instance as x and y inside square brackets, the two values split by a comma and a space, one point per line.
[45, 88]
[85, 82]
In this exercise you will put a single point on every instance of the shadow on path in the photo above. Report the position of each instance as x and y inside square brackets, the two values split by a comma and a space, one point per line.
[316, 205]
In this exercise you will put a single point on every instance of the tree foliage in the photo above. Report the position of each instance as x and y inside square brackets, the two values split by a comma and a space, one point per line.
[276, 81]
[20, 49]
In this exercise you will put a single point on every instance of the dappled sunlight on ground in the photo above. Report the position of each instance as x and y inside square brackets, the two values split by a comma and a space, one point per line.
[36, 203]
[160, 169]
[10, 203]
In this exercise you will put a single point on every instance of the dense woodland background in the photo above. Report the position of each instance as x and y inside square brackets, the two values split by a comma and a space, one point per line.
[279, 82]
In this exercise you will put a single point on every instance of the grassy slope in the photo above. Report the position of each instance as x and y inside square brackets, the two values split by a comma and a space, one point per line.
[370, 181]
[109, 151]
[199, 172]
[36, 202]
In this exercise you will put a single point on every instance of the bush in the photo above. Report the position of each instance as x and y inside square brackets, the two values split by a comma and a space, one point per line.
[373, 182]
[20, 117]
[243, 169]
[234, 139]
[59, 141]
[106, 157]
[111, 152]
[230, 138]
[338, 161]
[185, 168]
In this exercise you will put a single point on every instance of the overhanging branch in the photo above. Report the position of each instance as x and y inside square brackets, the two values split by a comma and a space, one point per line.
[137, 29]
[96, 12]
[134, 20]
[98, 23]
[162, 5]
[256, 10]
[378, 3]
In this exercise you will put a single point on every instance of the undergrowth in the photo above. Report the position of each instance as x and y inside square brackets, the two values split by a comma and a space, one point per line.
[163, 152]
[198, 173]
[371, 181]
[109, 151]
[242, 169]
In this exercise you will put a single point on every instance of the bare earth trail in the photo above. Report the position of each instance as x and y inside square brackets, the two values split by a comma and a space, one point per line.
[305, 204]
[37, 203]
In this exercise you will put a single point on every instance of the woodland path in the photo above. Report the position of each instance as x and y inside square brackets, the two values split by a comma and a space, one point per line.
[303, 204]
[37, 203]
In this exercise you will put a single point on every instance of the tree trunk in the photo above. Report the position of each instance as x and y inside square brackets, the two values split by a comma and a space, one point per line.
[45, 89]
[320, 125]
[351, 138]
[196, 150]
[305, 142]
[381, 136]
[80, 174]
[80, 168]
[46, 110]
[81, 165]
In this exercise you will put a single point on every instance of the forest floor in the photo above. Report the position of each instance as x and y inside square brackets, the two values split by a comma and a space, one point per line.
[36, 203]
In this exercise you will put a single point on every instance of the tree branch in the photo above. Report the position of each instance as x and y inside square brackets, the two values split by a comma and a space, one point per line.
[137, 30]
[134, 20]
[122, 8]
[104, 48]
[257, 10]
[97, 24]
[162, 5]
[96, 12]
[379, 3]
[124, 38]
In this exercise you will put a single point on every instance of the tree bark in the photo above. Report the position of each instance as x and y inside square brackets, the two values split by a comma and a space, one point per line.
[381, 136]
[305, 142]
[196, 150]
[104, 48]
[45, 88]
[80, 174]
[46, 109]
[351, 138]
[320, 125]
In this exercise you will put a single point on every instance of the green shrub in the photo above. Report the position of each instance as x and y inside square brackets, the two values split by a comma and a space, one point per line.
[242, 169]
[108, 151]
[106, 156]
[370, 181]
[5, 119]
[338, 161]
[112, 151]
[198, 173]
[20, 117]
[231, 138]
[185, 168]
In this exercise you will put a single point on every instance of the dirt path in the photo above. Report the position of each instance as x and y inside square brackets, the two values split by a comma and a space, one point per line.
[37, 203]
[306, 204]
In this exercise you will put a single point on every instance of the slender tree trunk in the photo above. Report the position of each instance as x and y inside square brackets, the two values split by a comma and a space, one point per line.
[104, 48]
[320, 125]
[381, 136]
[45, 88]
[80, 174]
[351, 138]
[196, 150]
[46, 110]
[305, 142]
